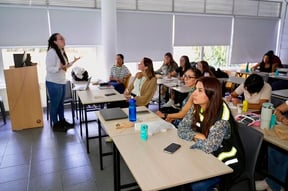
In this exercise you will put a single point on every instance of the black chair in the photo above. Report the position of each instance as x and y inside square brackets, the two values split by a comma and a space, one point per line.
[3, 112]
[252, 141]
[67, 100]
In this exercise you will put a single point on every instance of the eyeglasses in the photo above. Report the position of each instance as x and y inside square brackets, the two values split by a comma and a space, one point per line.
[189, 77]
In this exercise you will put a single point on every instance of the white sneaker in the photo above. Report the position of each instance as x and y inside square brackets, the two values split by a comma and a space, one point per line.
[262, 185]
[169, 103]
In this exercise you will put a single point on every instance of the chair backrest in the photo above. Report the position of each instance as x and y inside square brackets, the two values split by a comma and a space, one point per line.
[252, 141]
[127, 82]
[68, 90]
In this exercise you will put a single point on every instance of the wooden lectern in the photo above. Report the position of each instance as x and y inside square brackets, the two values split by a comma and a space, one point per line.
[23, 92]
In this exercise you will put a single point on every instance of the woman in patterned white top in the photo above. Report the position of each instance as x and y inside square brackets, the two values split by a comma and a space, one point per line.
[210, 124]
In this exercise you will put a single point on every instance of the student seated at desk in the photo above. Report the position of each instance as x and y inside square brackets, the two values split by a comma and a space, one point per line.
[210, 124]
[144, 84]
[170, 113]
[269, 63]
[119, 74]
[167, 69]
[180, 71]
[204, 67]
[255, 90]
[277, 160]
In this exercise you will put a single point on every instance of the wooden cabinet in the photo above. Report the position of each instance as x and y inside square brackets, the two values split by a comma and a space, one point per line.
[23, 92]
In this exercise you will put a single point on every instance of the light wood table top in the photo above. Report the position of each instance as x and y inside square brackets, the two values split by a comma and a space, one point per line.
[233, 79]
[96, 96]
[283, 94]
[110, 126]
[154, 169]
[271, 137]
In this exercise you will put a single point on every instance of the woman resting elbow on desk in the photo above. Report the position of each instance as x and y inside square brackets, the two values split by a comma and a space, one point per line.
[144, 84]
[170, 113]
[255, 91]
[211, 125]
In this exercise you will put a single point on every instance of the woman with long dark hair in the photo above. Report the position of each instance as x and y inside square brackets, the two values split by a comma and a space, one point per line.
[56, 66]
[210, 124]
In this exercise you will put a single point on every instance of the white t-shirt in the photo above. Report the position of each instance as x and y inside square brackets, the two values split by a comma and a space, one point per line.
[138, 83]
[265, 93]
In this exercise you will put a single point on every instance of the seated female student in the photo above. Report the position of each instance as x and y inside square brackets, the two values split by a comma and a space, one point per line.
[144, 84]
[203, 66]
[277, 160]
[184, 66]
[119, 74]
[171, 113]
[255, 90]
[211, 125]
[266, 65]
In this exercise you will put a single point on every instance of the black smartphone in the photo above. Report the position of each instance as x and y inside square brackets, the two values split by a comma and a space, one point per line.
[172, 148]
[143, 111]
[110, 94]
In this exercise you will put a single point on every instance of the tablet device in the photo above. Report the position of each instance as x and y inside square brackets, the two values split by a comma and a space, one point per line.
[172, 148]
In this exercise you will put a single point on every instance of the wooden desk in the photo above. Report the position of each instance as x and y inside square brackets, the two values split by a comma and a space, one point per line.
[112, 131]
[92, 97]
[172, 84]
[281, 94]
[233, 79]
[154, 169]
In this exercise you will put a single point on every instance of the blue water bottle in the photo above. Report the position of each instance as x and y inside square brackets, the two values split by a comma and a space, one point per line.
[132, 109]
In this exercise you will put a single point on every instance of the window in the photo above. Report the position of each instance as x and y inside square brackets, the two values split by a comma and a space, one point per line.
[216, 56]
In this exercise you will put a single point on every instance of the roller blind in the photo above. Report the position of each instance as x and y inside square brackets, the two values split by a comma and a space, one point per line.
[194, 30]
[23, 26]
[144, 35]
[253, 37]
[79, 27]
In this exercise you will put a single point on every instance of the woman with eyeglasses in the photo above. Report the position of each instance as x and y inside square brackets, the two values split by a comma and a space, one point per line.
[56, 66]
[170, 113]
[210, 124]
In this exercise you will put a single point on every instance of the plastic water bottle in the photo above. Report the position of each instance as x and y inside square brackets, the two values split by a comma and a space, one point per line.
[247, 67]
[144, 132]
[132, 109]
[245, 106]
[277, 72]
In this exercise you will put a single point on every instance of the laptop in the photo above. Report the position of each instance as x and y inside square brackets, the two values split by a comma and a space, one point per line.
[113, 113]
[82, 87]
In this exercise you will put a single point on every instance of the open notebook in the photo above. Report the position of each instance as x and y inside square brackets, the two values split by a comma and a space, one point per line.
[113, 113]
[83, 87]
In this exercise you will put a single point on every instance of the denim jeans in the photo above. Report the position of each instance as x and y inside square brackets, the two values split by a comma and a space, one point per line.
[56, 94]
[205, 185]
[277, 167]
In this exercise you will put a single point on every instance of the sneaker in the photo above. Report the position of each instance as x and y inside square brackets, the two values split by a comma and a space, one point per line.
[169, 103]
[108, 140]
[262, 185]
[66, 124]
[58, 127]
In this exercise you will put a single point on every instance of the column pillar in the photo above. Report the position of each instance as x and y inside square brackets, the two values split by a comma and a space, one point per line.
[109, 33]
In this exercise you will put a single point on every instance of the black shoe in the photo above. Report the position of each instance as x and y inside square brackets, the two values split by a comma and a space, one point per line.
[67, 124]
[58, 127]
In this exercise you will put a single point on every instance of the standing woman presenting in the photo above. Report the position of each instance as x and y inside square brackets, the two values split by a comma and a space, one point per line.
[56, 67]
